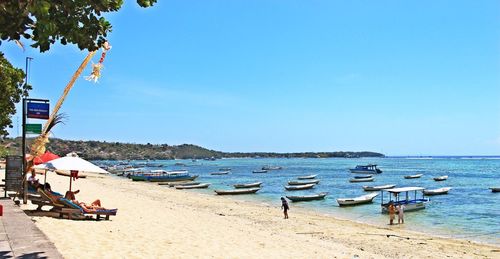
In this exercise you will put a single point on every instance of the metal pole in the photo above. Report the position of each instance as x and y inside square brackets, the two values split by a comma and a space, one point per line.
[25, 187]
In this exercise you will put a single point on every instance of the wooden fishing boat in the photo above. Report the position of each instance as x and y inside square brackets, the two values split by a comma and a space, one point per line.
[303, 182]
[368, 198]
[439, 191]
[378, 188]
[363, 176]
[403, 196]
[495, 189]
[365, 169]
[173, 184]
[354, 180]
[164, 176]
[306, 177]
[259, 171]
[220, 173]
[413, 176]
[192, 186]
[247, 185]
[236, 192]
[312, 197]
[299, 187]
[441, 178]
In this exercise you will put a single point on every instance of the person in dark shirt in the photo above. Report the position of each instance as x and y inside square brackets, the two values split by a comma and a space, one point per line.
[285, 207]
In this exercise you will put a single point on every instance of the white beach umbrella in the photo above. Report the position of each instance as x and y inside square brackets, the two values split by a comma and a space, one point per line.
[69, 165]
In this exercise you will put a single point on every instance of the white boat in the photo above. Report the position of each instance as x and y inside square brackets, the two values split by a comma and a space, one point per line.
[237, 191]
[259, 171]
[413, 176]
[354, 180]
[365, 169]
[312, 197]
[411, 202]
[441, 178]
[299, 187]
[378, 188]
[247, 185]
[495, 189]
[363, 176]
[305, 177]
[192, 186]
[368, 198]
[303, 182]
[270, 167]
[439, 191]
[220, 173]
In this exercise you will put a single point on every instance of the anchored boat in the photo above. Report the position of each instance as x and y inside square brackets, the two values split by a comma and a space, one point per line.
[318, 196]
[439, 191]
[413, 176]
[299, 187]
[303, 182]
[356, 180]
[365, 169]
[368, 198]
[259, 171]
[193, 186]
[378, 188]
[407, 196]
[247, 185]
[306, 177]
[441, 178]
[236, 192]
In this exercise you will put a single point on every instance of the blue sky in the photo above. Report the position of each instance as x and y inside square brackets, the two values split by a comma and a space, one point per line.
[398, 77]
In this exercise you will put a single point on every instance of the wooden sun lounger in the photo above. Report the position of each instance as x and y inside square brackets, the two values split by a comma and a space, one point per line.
[71, 209]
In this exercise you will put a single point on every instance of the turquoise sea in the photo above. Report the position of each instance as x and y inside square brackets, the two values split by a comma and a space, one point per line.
[470, 210]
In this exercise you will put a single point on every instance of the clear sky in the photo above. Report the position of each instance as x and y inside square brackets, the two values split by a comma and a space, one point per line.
[398, 77]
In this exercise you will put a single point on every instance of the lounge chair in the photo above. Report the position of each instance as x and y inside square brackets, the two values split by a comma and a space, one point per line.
[72, 209]
[44, 198]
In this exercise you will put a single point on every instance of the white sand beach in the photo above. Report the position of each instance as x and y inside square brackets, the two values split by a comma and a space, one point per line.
[159, 222]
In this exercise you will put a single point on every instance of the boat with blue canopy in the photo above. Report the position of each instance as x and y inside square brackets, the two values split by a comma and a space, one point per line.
[407, 196]
[365, 169]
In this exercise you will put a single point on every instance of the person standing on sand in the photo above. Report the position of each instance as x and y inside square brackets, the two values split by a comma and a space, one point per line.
[284, 206]
[401, 214]
[392, 212]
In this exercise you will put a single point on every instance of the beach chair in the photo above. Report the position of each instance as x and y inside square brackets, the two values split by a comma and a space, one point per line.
[43, 198]
[72, 209]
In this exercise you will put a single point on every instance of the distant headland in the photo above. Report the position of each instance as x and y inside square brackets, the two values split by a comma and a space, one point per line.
[103, 150]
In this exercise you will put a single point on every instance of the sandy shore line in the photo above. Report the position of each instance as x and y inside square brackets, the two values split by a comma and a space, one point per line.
[158, 222]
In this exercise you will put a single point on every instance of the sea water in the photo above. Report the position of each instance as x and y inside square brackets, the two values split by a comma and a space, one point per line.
[470, 210]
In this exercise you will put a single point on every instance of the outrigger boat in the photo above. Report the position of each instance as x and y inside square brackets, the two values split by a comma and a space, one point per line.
[303, 182]
[268, 167]
[365, 169]
[247, 185]
[193, 186]
[411, 203]
[368, 198]
[441, 178]
[259, 171]
[378, 188]
[220, 173]
[439, 191]
[354, 180]
[495, 189]
[318, 196]
[413, 176]
[236, 192]
[306, 177]
[299, 187]
[164, 176]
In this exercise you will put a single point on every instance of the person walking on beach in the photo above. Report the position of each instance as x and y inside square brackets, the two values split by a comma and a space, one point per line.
[284, 206]
[392, 212]
[401, 214]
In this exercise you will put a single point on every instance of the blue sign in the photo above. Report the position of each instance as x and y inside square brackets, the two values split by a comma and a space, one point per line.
[38, 110]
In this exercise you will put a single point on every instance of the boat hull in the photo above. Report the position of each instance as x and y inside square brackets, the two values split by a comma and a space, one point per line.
[250, 185]
[412, 206]
[320, 196]
[495, 189]
[236, 192]
[195, 186]
[299, 187]
[361, 180]
[170, 179]
[307, 177]
[303, 182]
[413, 176]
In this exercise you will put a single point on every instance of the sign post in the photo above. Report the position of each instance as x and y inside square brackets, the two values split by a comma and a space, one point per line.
[33, 128]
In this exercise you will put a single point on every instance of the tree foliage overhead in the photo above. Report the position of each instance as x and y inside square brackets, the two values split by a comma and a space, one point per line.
[12, 89]
[45, 22]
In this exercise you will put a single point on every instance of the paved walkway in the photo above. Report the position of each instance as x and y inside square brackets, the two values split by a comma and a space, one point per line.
[20, 237]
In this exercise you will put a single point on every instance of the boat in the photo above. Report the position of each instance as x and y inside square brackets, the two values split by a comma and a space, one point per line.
[303, 182]
[368, 198]
[299, 187]
[268, 167]
[495, 189]
[354, 180]
[247, 185]
[413, 176]
[411, 203]
[378, 188]
[440, 178]
[173, 184]
[259, 171]
[192, 186]
[238, 191]
[220, 173]
[306, 177]
[179, 164]
[225, 169]
[439, 191]
[312, 197]
[363, 176]
[164, 176]
[365, 169]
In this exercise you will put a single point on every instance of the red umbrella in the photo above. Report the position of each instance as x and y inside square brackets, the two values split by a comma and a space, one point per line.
[48, 156]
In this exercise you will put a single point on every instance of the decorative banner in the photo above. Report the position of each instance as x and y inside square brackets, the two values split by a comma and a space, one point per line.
[33, 128]
[38, 110]
[96, 68]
